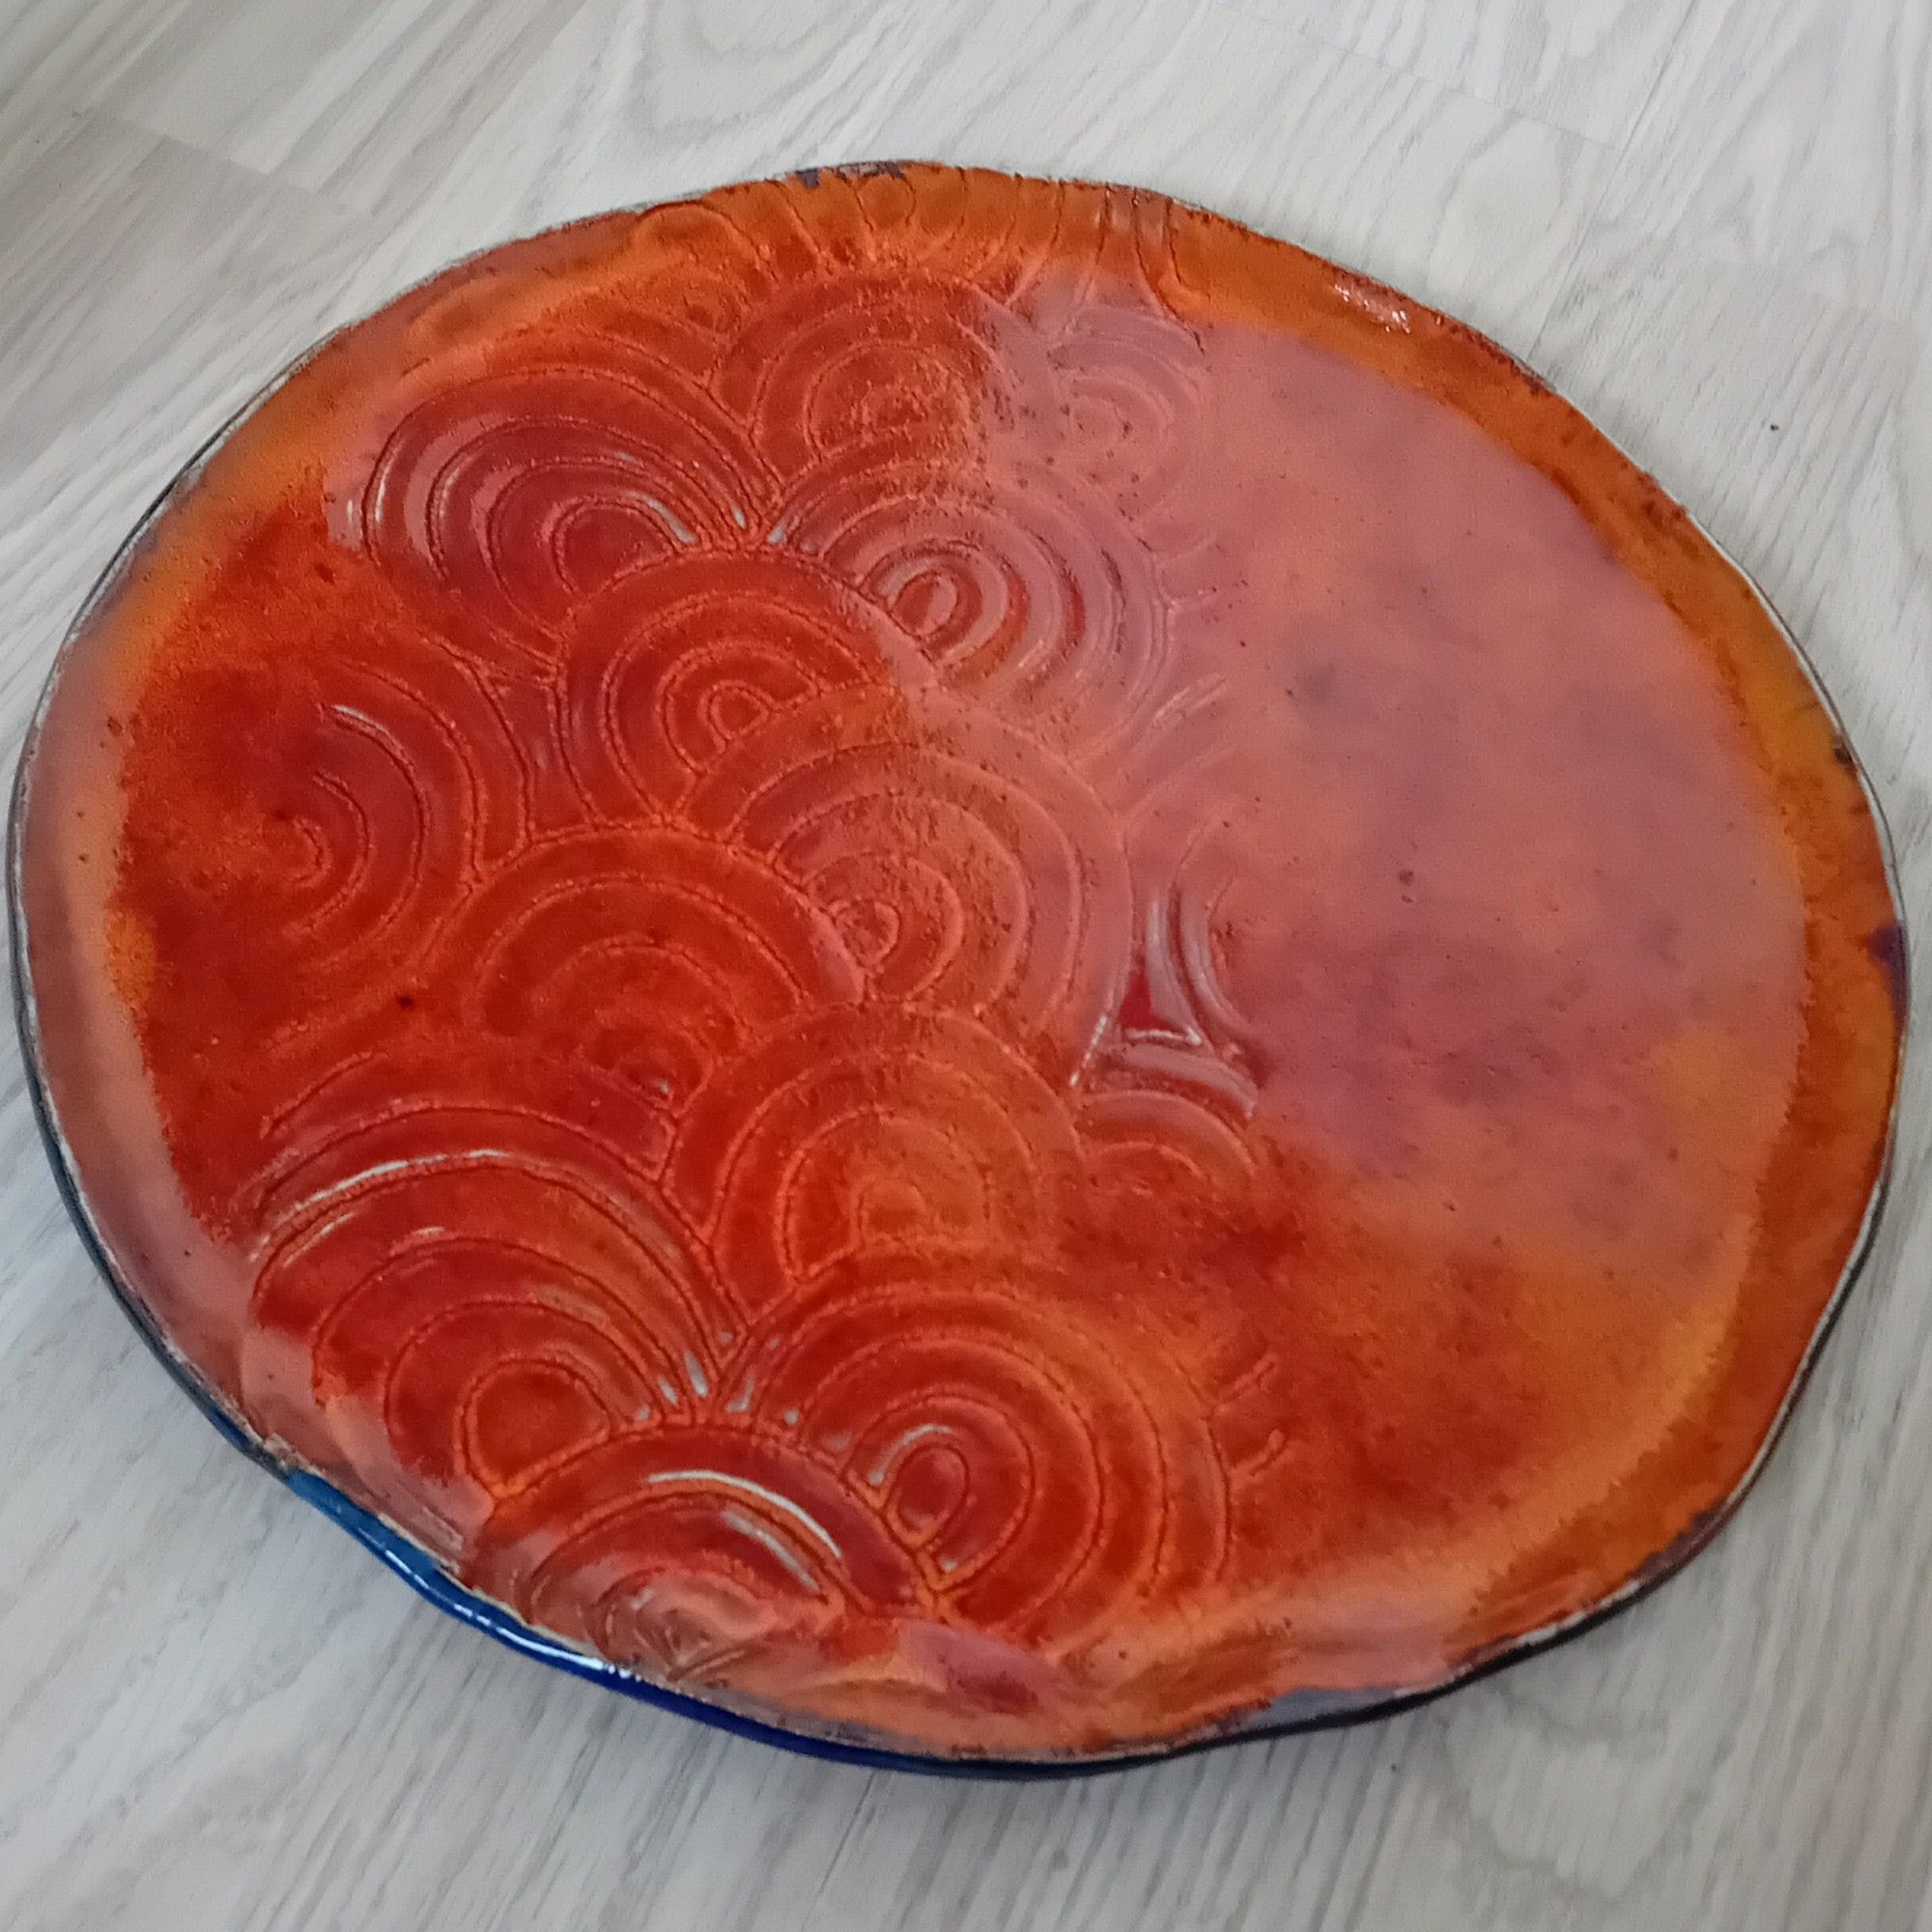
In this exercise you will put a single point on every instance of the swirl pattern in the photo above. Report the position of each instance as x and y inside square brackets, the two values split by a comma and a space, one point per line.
[519, 493]
[817, 893]
[807, 887]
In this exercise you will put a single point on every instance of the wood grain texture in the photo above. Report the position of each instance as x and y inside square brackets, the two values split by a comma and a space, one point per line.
[1588, 66]
[1706, 220]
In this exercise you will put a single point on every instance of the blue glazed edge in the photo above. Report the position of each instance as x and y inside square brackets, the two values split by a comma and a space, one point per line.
[423, 1574]
[1298, 1713]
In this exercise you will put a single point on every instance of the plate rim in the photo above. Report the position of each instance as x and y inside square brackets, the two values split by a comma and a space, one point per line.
[1295, 1714]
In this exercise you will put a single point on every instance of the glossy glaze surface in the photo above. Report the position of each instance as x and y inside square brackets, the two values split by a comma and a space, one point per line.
[965, 959]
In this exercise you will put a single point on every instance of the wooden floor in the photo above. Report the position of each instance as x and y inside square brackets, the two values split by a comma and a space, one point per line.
[1708, 221]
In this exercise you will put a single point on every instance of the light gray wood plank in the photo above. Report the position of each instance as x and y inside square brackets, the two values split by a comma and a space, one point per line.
[1700, 218]
[1463, 203]
[1796, 134]
[1584, 64]
[359, 99]
[69, 50]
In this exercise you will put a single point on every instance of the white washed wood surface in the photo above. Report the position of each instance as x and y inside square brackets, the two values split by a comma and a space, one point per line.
[1708, 221]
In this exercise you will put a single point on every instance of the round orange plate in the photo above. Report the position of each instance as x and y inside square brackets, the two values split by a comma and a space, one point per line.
[965, 962]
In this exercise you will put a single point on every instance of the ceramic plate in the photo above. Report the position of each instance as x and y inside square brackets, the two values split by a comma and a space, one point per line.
[961, 966]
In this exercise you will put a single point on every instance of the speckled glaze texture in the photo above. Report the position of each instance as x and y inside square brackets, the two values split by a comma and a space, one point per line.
[963, 961]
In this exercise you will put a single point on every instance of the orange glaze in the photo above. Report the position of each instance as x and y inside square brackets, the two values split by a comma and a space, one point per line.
[967, 960]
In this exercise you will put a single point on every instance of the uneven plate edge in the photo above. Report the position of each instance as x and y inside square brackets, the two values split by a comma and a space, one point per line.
[1297, 1713]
